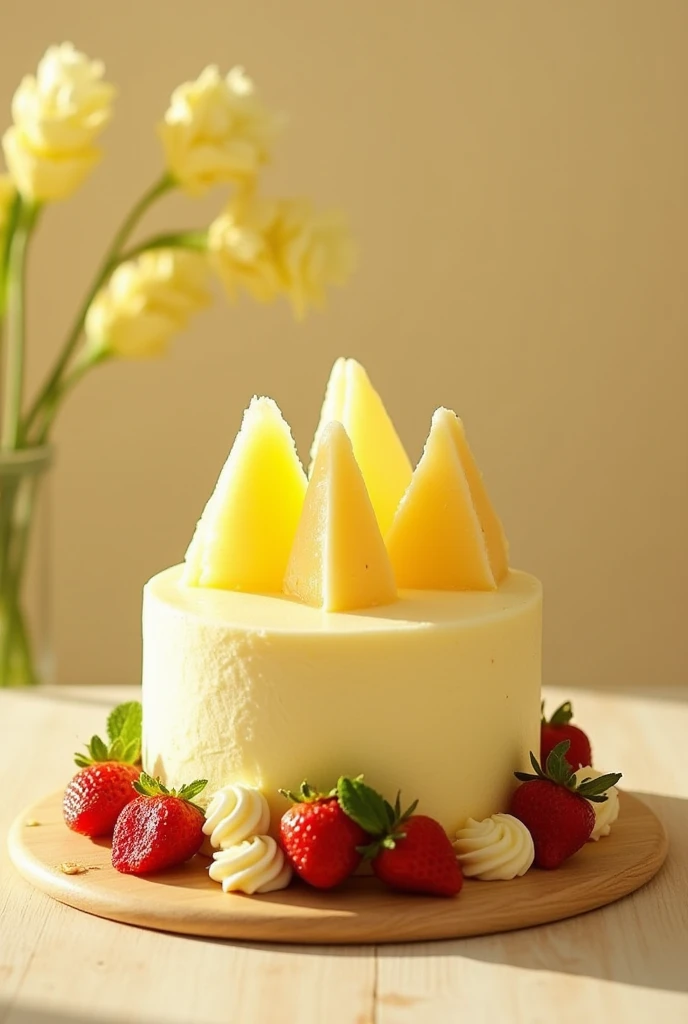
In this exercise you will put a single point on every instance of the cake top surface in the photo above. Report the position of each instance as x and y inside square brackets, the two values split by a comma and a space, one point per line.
[415, 609]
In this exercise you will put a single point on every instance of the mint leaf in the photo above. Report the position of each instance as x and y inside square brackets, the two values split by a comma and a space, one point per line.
[124, 722]
[364, 806]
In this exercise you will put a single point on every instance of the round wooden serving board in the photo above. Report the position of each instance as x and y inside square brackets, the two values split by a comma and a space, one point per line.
[185, 900]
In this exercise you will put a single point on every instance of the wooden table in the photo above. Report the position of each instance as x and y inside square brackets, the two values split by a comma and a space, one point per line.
[627, 962]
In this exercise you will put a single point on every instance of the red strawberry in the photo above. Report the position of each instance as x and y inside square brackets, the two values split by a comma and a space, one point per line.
[319, 839]
[158, 829]
[558, 728]
[95, 796]
[555, 809]
[411, 852]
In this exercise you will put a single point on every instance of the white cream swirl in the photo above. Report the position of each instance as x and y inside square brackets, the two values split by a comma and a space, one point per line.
[607, 812]
[256, 865]
[234, 814]
[499, 847]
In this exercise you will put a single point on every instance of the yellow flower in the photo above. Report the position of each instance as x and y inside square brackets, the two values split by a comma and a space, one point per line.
[58, 115]
[145, 302]
[216, 130]
[7, 194]
[281, 247]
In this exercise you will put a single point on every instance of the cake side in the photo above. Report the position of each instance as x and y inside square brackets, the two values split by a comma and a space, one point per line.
[437, 694]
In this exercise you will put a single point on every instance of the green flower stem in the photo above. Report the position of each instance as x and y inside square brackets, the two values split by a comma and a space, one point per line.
[64, 386]
[10, 432]
[175, 240]
[47, 394]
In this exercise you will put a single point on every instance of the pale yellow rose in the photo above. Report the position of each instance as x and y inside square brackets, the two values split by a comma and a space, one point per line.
[58, 115]
[146, 302]
[281, 247]
[216, 130]
[7, 194]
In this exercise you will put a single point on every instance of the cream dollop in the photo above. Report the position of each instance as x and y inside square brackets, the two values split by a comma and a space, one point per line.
[607, 812]
[234, 814]
[499, 847]
[256, 865]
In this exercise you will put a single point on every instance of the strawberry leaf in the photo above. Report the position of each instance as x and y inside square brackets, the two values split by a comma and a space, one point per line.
[563, 714]
[596, 789]
[98, 750]
[192, 790]
[364, 806]
[131, 752]
[148, 786]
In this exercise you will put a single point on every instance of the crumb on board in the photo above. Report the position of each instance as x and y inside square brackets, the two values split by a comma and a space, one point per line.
[31, 823]
[70, 867]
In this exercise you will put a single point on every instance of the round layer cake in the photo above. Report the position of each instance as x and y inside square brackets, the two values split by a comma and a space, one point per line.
[437, 694]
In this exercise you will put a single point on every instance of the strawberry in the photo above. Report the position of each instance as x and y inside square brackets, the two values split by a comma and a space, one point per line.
[558, 728]
[159, 828]
[410, 852]
[95, 796]
[554, 806]
[319, 839]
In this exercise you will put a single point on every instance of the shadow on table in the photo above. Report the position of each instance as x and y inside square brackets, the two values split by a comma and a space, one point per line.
[653, 920]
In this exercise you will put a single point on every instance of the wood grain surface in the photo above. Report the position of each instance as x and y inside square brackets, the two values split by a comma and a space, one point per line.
[187, 901]
[625, 962]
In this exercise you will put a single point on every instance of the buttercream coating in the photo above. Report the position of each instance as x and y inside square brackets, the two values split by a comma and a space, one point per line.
[437, 695]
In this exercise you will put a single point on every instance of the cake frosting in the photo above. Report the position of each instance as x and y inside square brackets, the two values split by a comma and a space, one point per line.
[437, 694]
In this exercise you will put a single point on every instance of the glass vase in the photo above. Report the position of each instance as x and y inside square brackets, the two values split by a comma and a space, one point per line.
[25, 650]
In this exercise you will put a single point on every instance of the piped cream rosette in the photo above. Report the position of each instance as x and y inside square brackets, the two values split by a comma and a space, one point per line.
[498, 848]
[606, 812]
[245, 858]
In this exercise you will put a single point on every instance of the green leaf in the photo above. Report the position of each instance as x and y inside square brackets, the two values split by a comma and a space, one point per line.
[82, 760]
[364, 806]
[98, 750]
[131, 752]
[148, 786]
[563, 714]
[192, 790]
[124, 722]
[557, 767]
[594, 789]
[116, 749]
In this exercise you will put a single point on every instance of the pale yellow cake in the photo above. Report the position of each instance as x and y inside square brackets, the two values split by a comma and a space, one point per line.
[282, 650]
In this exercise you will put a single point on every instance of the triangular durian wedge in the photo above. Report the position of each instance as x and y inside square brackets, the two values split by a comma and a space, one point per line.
[244, 536]
[495, 539]
[339, 561]
[436, 541]
[353, 401]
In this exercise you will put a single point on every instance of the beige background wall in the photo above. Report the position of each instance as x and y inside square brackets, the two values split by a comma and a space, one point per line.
[516, 174]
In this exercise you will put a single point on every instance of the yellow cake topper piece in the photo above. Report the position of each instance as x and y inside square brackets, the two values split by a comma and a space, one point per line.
[436, 541]
[339, 561]
[353, 401]
[493, 531]
[244, 536]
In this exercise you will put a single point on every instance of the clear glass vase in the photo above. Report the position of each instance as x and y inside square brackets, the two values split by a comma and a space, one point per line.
[25, 649]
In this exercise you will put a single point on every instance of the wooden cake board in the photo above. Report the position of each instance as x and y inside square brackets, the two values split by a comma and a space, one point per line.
[185, 900]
